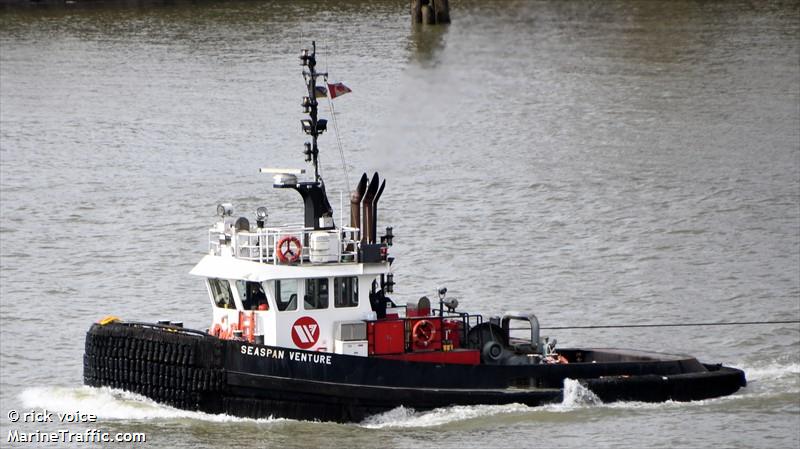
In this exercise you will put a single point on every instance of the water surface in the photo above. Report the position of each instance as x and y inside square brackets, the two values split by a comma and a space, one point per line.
[595, 163]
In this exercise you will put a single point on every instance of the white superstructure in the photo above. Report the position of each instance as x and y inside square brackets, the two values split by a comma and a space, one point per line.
[313, 286]
[302, 301]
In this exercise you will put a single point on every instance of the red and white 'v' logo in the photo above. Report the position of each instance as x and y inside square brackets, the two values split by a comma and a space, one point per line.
[305, 332]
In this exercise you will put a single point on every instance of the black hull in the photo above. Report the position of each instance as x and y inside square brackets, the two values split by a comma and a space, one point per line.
[194, 371]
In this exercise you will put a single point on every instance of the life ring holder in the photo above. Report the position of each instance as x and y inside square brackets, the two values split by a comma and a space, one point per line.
[285, 252]
[423, 333]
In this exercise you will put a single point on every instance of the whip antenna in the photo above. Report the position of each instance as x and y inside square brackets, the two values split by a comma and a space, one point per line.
[338, 138]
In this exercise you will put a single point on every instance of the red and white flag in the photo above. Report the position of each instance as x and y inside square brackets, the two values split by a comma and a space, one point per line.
[338, 89]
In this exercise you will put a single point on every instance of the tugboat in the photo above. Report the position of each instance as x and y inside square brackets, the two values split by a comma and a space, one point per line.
[302, 327]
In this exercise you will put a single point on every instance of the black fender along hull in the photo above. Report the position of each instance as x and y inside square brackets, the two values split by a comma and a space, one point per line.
[194, 371]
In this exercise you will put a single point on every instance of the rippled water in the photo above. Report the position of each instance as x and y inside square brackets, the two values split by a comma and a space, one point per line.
[596, 163]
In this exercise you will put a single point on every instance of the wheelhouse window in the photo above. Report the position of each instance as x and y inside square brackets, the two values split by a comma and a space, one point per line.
[252, 295]
[345, 292]
[316, 296]
[286, 294]
[221, 292]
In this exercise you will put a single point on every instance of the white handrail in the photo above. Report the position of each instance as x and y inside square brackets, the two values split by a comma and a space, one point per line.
[259, 245]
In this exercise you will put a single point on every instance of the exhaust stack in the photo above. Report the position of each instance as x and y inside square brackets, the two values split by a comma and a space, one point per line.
[367, 211]
[373, 232]
[355, 203]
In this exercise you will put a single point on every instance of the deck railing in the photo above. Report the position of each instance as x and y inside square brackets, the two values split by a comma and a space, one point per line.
[260, 244]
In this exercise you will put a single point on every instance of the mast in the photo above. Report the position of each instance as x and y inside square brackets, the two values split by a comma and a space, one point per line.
[318, 211]
[313, 126]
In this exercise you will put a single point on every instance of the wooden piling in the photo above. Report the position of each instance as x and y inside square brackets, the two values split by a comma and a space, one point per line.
[428, 18]
[430, 12]
[441, 10]
[416, 11]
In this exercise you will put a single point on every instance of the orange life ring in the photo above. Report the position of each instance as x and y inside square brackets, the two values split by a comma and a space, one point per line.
[423, 332]
[556, 359]
[285, 252]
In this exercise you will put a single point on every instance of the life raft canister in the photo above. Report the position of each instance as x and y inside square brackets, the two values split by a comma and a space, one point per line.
[285, 252]
[423, 333]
